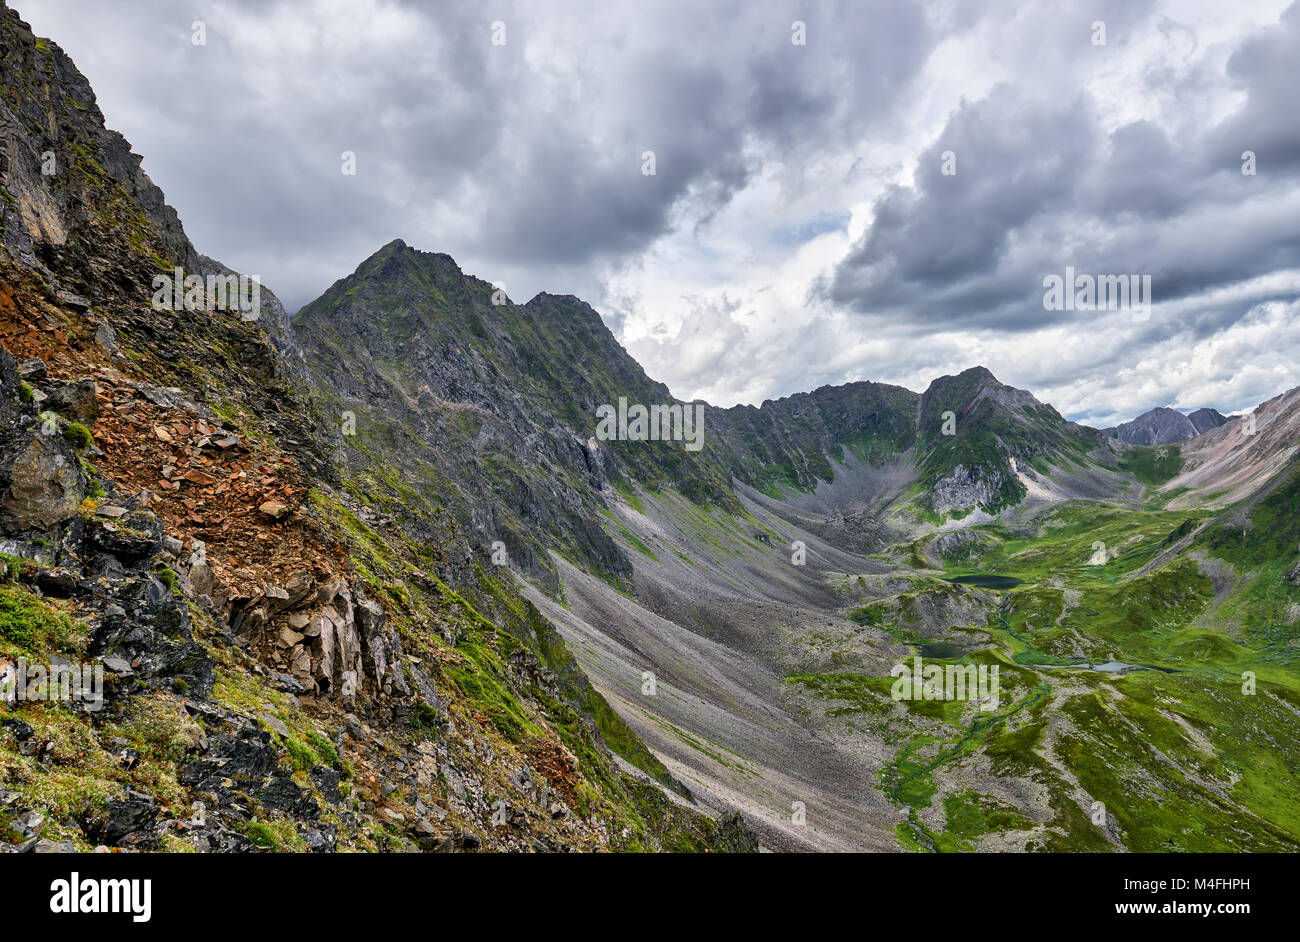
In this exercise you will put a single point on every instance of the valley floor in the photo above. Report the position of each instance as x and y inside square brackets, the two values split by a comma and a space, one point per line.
[1149, 697]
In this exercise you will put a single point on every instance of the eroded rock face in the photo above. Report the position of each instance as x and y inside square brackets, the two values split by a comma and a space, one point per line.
[964, 488]
[328, 638]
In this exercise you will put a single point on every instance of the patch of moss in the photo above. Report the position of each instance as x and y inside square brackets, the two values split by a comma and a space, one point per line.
[78, 436]
[29, 625]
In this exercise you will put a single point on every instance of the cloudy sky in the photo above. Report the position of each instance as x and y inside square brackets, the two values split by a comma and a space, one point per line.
[800, 228]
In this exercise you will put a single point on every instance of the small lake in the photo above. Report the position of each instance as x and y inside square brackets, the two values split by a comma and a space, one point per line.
[940, 651]
[987, 581]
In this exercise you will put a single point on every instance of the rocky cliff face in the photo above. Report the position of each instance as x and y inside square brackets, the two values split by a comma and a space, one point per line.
[285, 665]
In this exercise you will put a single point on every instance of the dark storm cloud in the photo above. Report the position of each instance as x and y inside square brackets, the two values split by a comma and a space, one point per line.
[1267, 67]
[708, 94]
[525, 155]
[1040, 185]
[936, 250]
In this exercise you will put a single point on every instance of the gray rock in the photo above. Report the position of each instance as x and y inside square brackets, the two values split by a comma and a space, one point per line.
[54, 847]
[128, 822]
[202, 578]
[286, 683]
[21, 729]
[41, 484]
[78, 401]
[117, 665]
[106, 340]
[275, 723]
[73, 300]
[133, 537]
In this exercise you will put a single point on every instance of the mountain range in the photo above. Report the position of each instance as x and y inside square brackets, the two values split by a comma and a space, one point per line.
[373, 577]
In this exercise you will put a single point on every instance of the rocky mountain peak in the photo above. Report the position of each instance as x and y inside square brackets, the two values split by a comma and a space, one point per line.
[1165, 426]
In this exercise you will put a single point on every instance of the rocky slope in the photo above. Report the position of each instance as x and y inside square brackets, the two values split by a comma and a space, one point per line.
[284, 668]
[1233, 462]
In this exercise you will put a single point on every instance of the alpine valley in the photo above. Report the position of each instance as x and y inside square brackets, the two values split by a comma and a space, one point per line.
[370, 577]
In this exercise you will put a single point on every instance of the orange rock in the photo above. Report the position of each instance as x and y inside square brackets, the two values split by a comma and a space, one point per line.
[195, 476]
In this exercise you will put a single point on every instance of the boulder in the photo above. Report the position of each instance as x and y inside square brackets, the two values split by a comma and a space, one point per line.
[54, 847]
[202, 578]
[134, 536]
[41, 484]
[127, 822]
[273, 510]
[59, 583]
[21, 729]
[73, 300]
[78, 401]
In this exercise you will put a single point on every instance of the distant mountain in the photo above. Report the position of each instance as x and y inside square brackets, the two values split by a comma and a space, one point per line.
[1162, 426]
[457, 385]
[1206, 419]
[996, 431]
[1239, 458]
